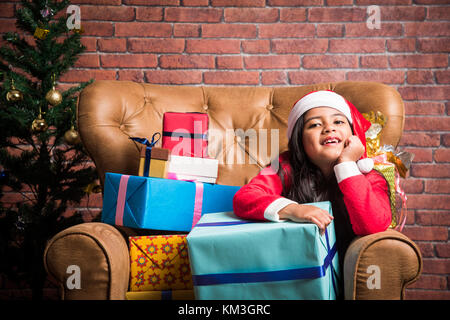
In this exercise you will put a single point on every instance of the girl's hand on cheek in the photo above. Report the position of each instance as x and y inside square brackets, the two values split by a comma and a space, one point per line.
[307, 213]
[353, 150]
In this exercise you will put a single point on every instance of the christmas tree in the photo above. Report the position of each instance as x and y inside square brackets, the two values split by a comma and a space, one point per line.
[41, 157]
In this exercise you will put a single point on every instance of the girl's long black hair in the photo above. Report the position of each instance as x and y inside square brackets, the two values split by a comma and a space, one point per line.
[308, 184]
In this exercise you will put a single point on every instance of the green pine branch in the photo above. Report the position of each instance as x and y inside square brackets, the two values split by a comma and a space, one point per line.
[50, 175]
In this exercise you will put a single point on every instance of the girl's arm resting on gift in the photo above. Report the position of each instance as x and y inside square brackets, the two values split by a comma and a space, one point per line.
[366, 198]
[261, 198]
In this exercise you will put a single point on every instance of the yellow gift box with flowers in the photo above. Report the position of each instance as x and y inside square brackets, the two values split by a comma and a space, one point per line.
[159, 263]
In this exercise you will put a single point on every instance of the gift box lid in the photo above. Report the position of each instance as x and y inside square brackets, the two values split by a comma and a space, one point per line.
[186, 133]
[176, 120]
[157, 153]
[194, 166]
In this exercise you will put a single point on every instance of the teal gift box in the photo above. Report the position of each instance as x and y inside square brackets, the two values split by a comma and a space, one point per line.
[235, 259]
[161, 204]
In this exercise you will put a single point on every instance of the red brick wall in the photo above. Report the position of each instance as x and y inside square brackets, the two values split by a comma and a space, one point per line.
[295, 42]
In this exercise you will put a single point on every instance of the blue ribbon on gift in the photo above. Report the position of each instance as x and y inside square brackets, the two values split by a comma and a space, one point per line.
[148, 150]
[222, 223]
[331, 261]
[267, 276]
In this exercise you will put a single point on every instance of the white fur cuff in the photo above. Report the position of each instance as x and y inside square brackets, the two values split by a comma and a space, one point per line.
[346, 170]
[271, 212]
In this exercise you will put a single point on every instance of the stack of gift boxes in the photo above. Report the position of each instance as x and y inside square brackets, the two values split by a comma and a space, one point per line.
[217, 255]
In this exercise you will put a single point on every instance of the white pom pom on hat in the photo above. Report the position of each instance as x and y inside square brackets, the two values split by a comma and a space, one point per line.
[328, 98]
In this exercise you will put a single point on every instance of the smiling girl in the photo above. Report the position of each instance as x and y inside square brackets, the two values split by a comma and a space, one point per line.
[326, 143]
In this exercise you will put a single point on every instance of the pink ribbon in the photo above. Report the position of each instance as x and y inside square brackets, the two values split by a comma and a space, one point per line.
[198, 203]
[172, 176]
[380, 159]
[121, 199]
[403, 196]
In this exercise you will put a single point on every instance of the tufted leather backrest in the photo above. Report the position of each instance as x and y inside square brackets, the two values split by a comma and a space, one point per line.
[247, 126]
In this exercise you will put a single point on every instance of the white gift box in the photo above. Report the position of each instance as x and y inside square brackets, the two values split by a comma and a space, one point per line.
[193, 169]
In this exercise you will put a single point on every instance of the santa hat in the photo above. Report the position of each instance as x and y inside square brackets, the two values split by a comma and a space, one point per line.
[331, 99]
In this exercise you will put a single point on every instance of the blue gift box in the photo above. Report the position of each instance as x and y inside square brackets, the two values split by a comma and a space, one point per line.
[161, 204]
[239, 259]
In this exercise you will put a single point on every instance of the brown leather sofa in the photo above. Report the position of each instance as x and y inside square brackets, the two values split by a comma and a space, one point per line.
[109, 112]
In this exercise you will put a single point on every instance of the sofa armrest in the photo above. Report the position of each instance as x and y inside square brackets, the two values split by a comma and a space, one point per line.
[380, 266]
[94, 252]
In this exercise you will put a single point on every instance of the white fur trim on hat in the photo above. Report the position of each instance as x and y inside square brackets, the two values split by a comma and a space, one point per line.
[314, 100]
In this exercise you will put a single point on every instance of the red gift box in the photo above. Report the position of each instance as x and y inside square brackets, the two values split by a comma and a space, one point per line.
[186, 134]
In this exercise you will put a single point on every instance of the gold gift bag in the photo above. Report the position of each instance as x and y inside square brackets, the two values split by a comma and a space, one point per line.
[387, 170]
[389, 164]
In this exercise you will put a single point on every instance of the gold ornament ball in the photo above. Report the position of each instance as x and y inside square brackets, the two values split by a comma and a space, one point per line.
[14, 95]
[53, 97]
[72, 137]
[39, 125]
